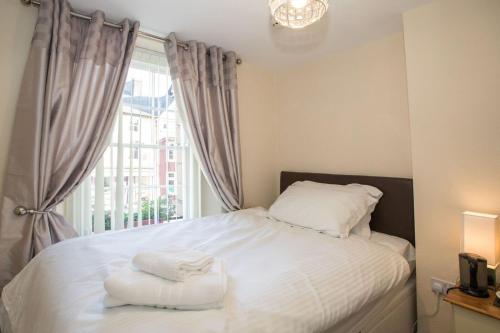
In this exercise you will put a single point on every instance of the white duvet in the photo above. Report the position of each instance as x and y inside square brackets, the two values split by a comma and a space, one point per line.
[280, 279]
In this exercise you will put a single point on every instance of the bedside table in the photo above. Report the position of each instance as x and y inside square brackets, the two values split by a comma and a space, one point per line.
[473, 314]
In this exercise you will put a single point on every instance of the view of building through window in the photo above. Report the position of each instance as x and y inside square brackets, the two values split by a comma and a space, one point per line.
[142, 176]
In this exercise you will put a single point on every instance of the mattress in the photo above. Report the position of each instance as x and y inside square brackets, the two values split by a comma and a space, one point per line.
[373, 313]
[281, 279]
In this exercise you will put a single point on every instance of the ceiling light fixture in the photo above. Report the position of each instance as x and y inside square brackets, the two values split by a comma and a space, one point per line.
[297, 14]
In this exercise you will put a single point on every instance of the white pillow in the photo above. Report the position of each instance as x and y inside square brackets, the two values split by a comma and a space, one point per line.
[371, 190]
[363, 227]
[334, 210]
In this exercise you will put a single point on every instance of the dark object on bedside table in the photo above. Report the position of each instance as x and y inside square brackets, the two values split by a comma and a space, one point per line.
[473, 275]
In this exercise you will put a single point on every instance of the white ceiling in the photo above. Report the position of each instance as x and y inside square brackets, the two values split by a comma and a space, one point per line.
[245, 25]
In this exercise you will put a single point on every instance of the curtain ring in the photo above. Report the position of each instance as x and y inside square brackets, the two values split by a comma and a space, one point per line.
[21, 211]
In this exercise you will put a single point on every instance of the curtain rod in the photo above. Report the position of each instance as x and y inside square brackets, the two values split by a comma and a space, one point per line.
[147, 35]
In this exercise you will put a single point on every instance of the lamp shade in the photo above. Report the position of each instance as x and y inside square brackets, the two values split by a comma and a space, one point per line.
[481, 235]
[297, 14]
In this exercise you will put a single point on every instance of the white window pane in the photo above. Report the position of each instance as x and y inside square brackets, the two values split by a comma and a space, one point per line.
[140, 180]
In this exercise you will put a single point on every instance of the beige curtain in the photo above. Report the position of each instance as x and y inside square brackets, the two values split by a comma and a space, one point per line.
[70, 91]
[205, 85]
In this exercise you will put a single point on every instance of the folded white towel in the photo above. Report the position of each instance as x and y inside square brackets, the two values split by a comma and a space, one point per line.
[173, 264]
[128, 286]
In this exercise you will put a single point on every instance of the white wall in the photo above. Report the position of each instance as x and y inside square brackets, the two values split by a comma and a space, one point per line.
[257, 133]
[347, 113]
[453, 62]
[16, 29]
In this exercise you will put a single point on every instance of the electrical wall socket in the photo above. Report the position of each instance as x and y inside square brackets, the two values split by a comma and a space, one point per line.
[440, 286]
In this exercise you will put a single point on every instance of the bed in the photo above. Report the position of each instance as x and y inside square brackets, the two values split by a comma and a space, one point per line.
[282, 278]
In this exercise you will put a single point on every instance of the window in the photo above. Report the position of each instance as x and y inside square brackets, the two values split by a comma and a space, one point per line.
[148, 174]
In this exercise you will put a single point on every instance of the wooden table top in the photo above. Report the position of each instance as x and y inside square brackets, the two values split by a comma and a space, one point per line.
[481, 305]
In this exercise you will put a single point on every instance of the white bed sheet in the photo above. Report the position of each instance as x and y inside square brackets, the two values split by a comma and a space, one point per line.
[281, 279]
[364, 320]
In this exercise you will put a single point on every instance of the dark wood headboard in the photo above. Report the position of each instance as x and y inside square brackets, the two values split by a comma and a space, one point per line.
[394, 212]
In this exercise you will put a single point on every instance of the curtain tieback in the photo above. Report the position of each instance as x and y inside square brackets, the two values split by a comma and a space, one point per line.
[21, 211]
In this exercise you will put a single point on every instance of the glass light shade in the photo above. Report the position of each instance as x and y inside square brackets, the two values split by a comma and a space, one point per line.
[299, 3]
[297, 14]
[481, 235]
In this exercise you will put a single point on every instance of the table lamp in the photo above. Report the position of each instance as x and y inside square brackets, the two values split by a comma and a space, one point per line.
[481, 236]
